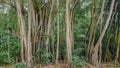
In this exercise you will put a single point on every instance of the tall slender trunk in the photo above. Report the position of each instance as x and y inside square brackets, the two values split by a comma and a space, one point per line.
[116, 59]
[106, 25]
[102, 33]
[93, 30]
[48, 28]
[22, 30]
[72, 23]
[68, 33]
[101, 23]
[30, 20]
[57, 49]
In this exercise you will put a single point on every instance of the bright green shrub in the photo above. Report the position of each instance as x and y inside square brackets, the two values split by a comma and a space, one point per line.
[20, 65]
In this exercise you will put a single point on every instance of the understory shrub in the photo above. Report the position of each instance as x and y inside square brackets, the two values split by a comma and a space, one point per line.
[78, 61]
[46, 58]
[20, 65]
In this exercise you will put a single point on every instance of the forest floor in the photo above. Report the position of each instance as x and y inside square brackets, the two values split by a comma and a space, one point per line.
[64, 65]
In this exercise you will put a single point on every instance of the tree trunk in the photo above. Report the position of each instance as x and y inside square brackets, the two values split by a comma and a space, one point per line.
[30, 20]
[103, 32]
[48, 28]
[57, 49]
[68, 33]
[22, 30]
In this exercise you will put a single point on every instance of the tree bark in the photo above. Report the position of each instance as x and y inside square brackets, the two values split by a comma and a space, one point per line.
[22, 30]
[57, 49]
[30, 20]
[68, 32]
[95, 50]
[105, 27]
[48, 28]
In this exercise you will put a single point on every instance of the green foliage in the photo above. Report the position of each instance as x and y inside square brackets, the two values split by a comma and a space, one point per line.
[79, 58]
[7, 40]
[9, 44]
[37, 56]
[78, 61]
[78, 51]
[46, 58]
[20, 65]
[40, 51]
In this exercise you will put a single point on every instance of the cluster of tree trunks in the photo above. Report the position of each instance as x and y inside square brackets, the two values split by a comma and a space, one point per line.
[95, 49]
[35, 29]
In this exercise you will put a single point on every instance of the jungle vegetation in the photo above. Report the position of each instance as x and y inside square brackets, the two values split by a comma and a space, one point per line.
[76, 32]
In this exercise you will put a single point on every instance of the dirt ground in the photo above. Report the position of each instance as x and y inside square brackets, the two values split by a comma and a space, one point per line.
[65, 65]
[52, 66]
[61, 65]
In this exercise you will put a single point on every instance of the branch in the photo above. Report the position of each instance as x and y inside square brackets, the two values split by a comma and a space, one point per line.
[13, 6]
[8, 3]
[105, 27]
